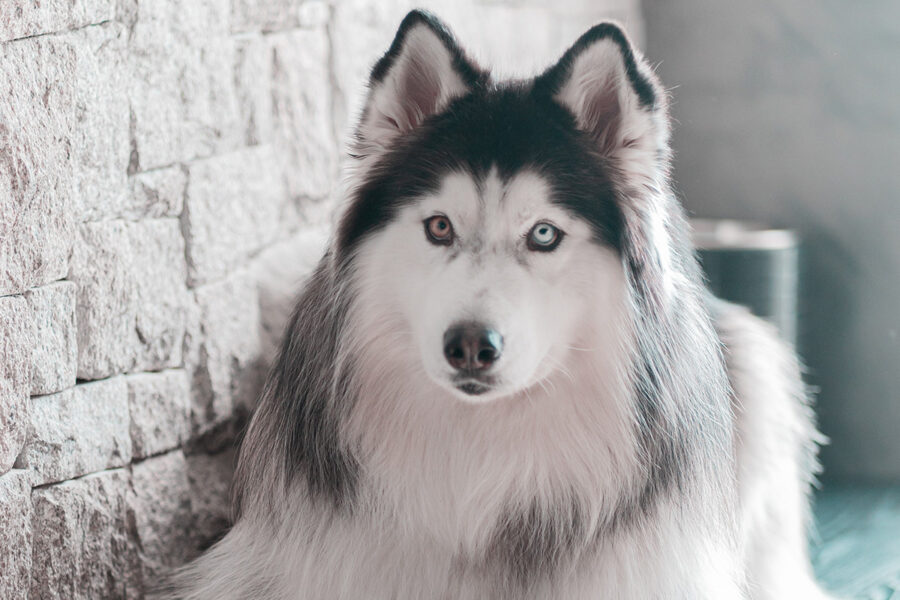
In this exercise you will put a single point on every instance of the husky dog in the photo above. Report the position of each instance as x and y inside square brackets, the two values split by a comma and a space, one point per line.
[505, 379]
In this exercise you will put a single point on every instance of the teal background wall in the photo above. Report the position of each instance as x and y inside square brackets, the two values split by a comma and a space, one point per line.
[789, 113]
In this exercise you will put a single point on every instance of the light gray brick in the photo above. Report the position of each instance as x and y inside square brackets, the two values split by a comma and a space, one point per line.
[16, 335]
[314, 13]
[223, 351]
[264, 15]
[78, 431]
[66, 143]
[253, 87]
[210, 478]
[276, 15]
[161, 295]
[36, 183]
[161, 508]
[63, 149]
[235, 204]
[102, 267]
[181, 85]
[132, 298]
[24, 18]
[156, 193]
[99, 148]
[159, 408]
[54, 355]
[15, 534]
[303, 118]
[82, 546]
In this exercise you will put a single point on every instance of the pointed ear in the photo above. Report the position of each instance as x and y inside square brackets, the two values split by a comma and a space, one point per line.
[421, 73]
[612, 93]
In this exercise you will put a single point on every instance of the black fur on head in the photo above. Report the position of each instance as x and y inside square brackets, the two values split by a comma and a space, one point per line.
[438, 112]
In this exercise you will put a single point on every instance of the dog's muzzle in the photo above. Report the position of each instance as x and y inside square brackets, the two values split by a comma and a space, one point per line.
[472, 349]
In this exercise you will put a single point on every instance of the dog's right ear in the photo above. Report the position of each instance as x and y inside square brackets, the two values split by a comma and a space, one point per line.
[421, 73]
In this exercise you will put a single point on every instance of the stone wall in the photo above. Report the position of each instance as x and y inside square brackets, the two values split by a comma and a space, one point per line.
[167, 173]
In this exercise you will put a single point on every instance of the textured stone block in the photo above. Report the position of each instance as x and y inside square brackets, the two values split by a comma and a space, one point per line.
[157, 193]
[16, 331]
[161, 297]
[275, 15]
[99, 147]
[132, 298]
[54, 355]
[160, 506]
[63, 146]
[159, 407]
[15, 534]
[36, 100]
[223, 351]
[303, 118]
[210, 478]
[280, 272]
[314, 13]
[82, 545]
[24, 18]
[78, 431]
[253, 87]
[264, 15]
[181, 85]
[235, 204]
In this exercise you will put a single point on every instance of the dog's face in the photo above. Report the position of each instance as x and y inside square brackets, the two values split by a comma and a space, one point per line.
[494, 281]
[487, 220]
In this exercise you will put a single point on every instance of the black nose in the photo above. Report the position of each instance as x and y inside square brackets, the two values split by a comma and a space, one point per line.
[472, 347]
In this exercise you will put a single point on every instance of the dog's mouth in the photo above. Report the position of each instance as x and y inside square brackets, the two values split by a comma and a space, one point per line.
[473, 387]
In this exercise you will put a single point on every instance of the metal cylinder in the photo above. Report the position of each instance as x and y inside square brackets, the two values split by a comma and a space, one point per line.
[753, 265]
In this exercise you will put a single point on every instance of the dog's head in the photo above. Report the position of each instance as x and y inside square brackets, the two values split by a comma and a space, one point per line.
[488, 218]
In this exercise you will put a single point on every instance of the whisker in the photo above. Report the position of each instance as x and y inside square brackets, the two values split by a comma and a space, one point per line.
[576, 348]
[558, 365]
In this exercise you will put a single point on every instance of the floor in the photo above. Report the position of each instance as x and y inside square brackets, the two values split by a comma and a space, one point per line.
[857, 550]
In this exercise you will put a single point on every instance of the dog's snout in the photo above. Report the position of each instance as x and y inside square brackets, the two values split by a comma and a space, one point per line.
[472, 347]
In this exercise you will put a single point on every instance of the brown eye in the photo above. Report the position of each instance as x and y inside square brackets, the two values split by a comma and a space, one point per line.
[544, 237]
[439, 230]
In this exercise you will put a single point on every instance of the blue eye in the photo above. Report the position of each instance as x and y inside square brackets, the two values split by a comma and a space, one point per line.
[544, 237]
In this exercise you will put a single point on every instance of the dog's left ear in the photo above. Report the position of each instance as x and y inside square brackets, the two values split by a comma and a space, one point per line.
[421, 73]
[612, 93]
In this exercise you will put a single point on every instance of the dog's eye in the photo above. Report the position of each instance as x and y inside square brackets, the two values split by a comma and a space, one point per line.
[544, 237]
[439, 230]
